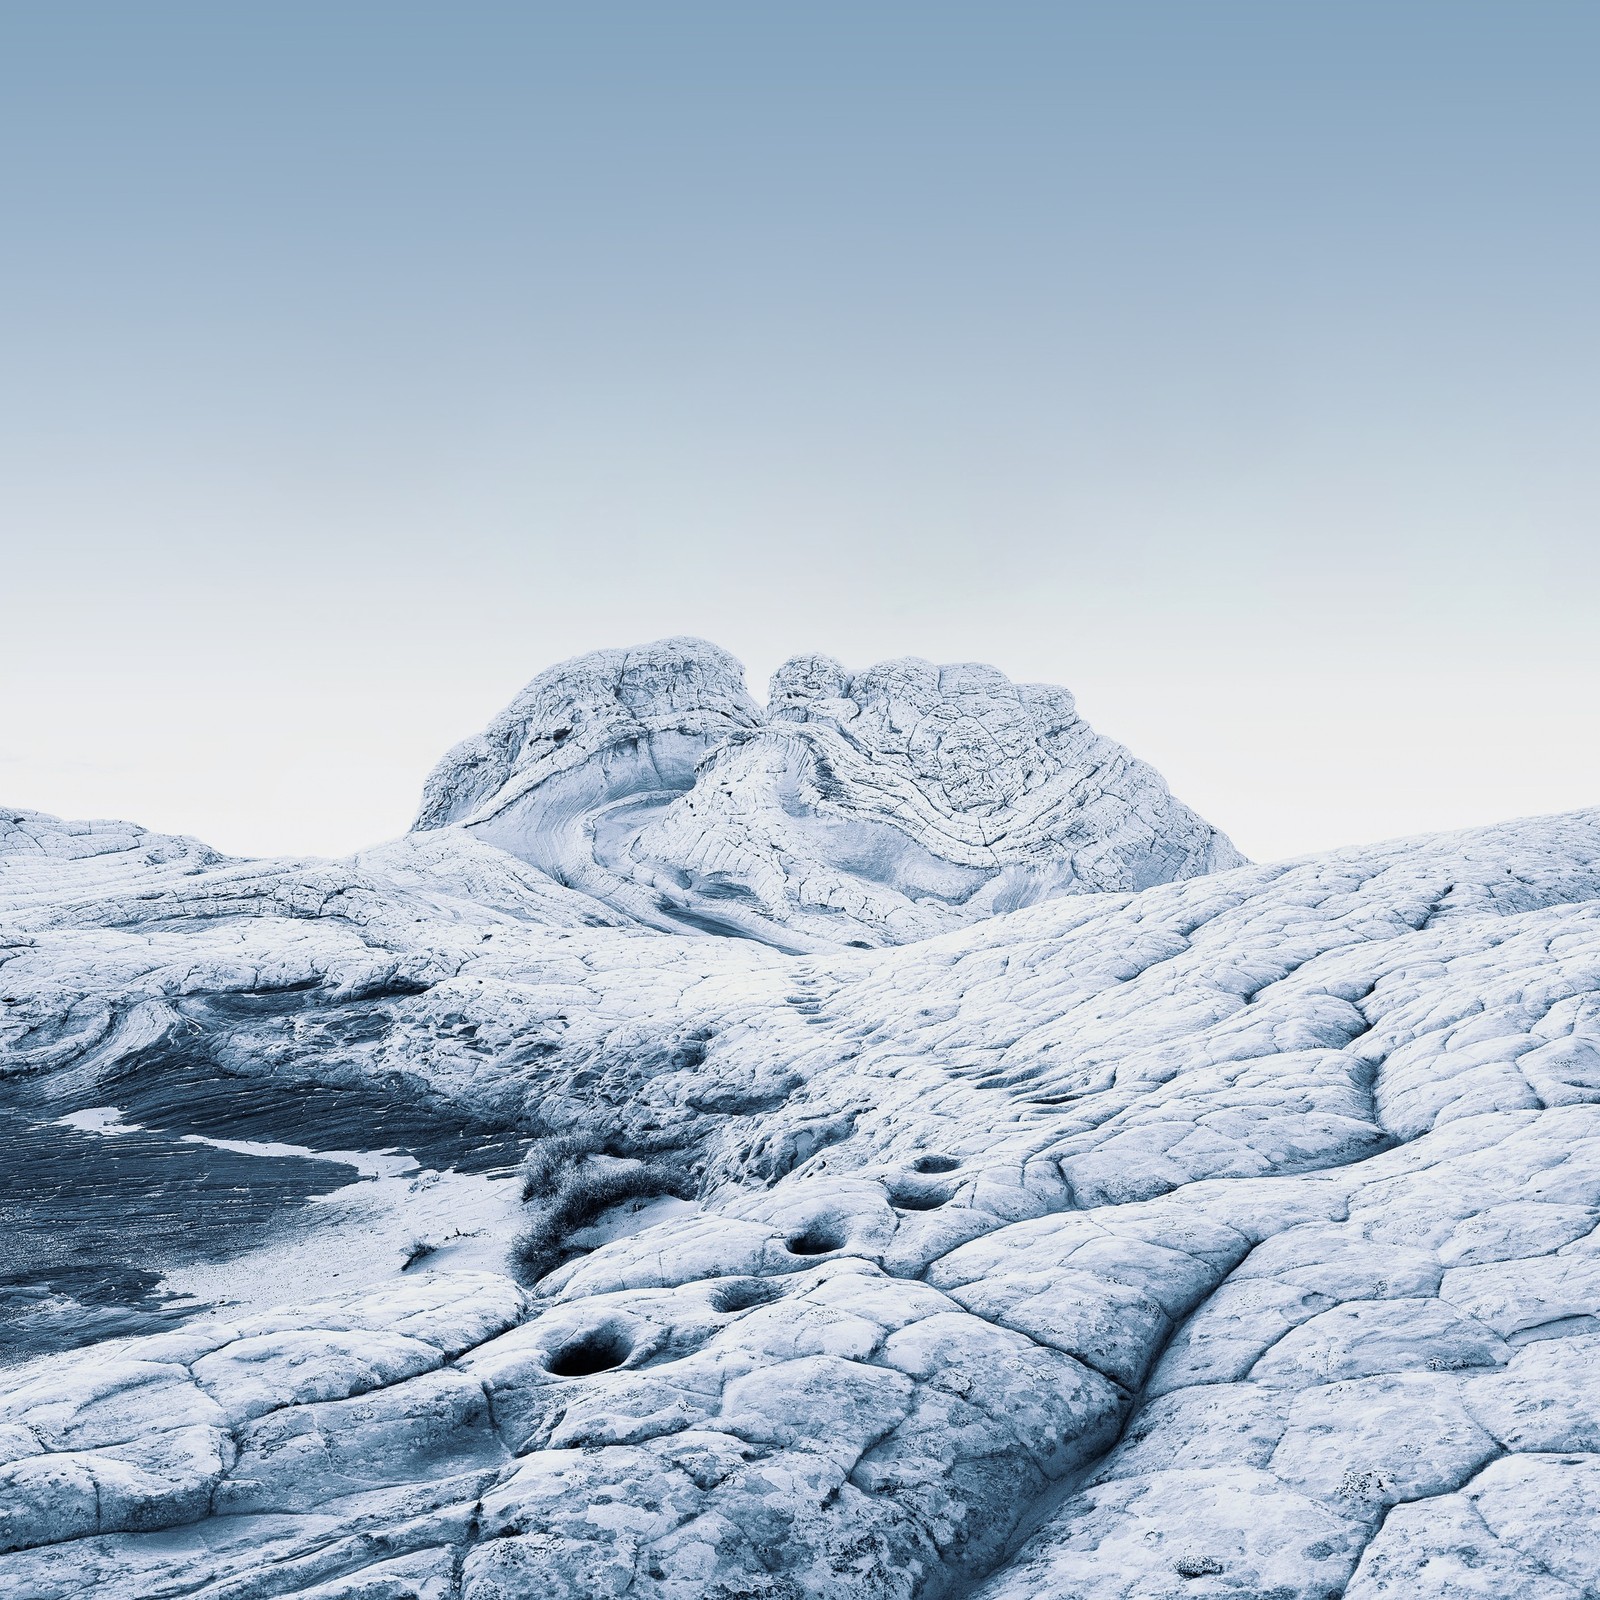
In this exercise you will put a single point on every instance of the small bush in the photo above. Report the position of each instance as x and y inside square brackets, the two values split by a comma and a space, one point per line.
[550, 1160]
[419, 1249]
[553, 1156]
[582, 1194]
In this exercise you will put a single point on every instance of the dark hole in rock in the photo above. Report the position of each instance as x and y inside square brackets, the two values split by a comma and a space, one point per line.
[818, 1240]
[739, 1294]
[935, 1164]
[598, 1351]
[918, 1199]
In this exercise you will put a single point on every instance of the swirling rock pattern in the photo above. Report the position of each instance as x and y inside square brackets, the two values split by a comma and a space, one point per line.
[876, 809]
[1237, 1235]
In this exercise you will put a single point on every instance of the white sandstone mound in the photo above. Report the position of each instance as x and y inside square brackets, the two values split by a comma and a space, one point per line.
[871, 809]
[1236, 1235]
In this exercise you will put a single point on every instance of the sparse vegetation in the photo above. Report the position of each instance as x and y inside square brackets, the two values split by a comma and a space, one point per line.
[551, 1160]
[572, 1180]
[419, 1249]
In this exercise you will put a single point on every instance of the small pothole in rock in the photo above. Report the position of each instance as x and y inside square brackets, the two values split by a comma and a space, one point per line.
[739, 1294]
[935, 1164]
[598, 1351]
[819, 1239]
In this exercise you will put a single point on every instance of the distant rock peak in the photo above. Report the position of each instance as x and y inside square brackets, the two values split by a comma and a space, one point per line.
[874, 808]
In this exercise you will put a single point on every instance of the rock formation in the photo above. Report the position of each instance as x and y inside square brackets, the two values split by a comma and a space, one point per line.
[1185, 1232]
[876, 809]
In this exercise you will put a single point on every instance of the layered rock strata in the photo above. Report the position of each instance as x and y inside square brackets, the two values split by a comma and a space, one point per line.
[873, 808]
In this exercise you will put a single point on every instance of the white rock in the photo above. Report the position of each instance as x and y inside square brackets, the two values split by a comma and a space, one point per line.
[1232, 1235]
[869, 809]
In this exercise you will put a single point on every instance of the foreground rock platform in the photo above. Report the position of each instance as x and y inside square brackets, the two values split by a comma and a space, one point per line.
[1234, 1235]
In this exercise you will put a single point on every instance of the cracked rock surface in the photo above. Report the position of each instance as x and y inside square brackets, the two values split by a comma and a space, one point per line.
[1233, 1235]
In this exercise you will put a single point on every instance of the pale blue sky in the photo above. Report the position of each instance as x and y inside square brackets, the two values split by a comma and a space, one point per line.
[1237, 365]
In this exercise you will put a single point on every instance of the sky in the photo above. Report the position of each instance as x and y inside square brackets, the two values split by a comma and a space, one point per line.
[1235, 364]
